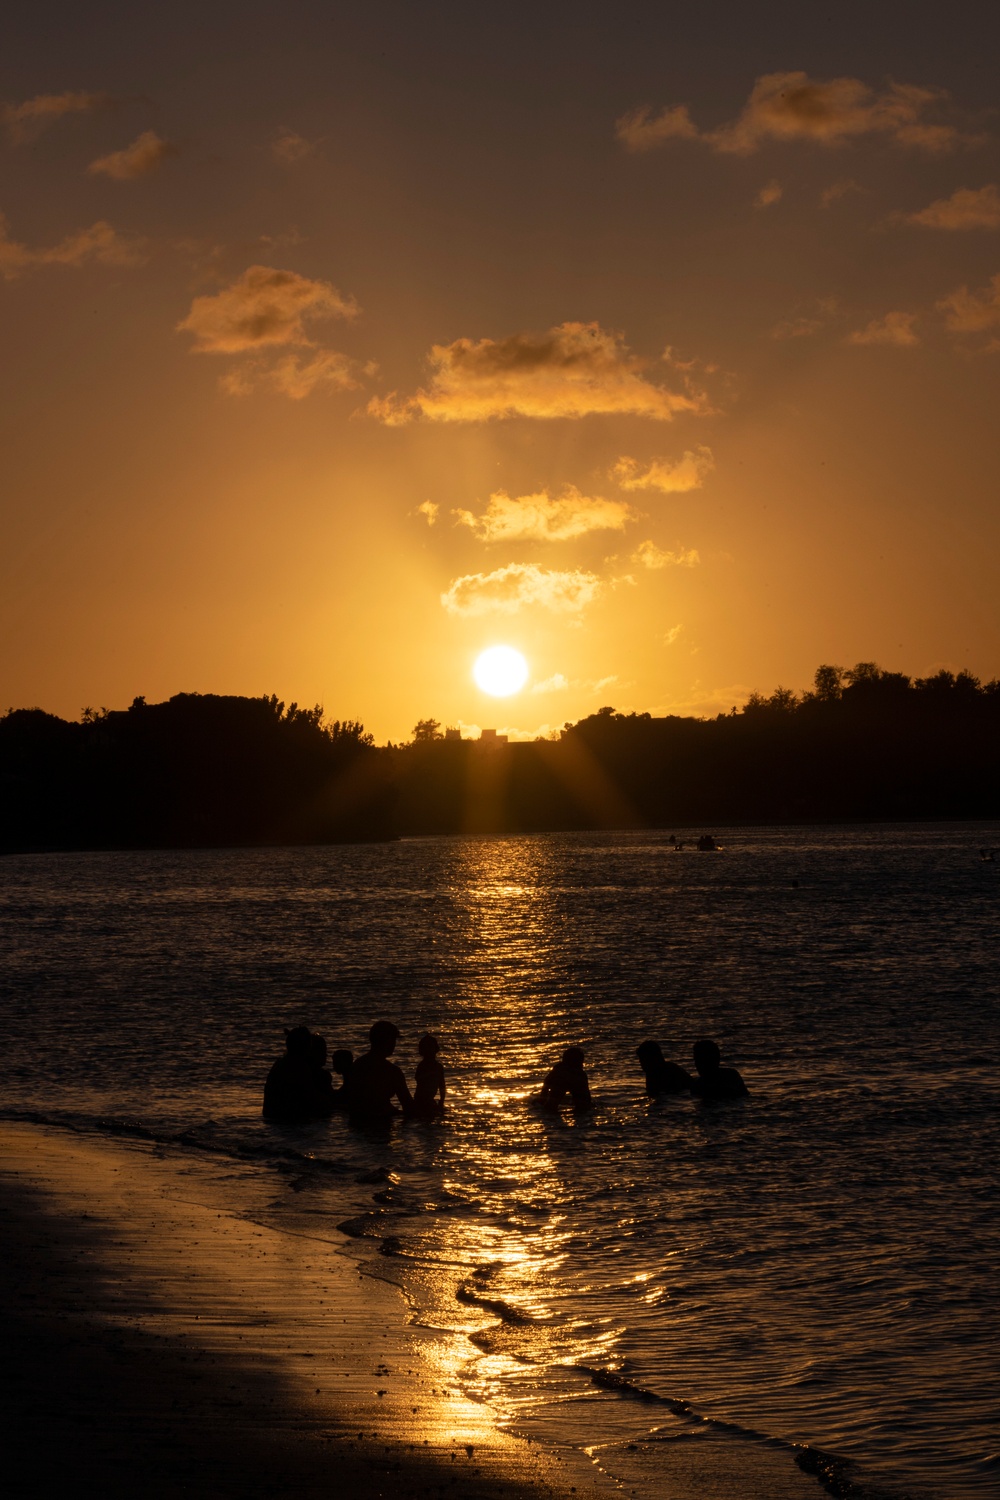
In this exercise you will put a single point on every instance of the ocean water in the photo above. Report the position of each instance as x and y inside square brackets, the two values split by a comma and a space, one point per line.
[813, 1268]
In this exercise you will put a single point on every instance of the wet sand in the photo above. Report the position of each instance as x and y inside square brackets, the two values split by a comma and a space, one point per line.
[154, 1345]
[157, 1345]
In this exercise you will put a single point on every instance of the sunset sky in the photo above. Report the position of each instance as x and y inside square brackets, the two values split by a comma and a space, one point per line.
[341, 341]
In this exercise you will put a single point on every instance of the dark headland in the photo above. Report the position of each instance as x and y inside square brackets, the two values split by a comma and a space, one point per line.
[205, 770]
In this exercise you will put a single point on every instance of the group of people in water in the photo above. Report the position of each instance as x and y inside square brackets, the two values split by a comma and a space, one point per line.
[373, 1088]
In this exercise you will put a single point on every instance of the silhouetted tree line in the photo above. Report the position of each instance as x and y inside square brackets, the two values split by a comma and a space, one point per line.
[205, 770]
[863, 745]
[199, 770]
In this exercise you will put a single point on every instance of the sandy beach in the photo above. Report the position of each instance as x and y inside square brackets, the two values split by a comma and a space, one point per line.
[158, 1345]
[155, 1345]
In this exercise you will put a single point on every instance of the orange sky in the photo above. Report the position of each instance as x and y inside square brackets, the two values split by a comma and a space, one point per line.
[341, 341]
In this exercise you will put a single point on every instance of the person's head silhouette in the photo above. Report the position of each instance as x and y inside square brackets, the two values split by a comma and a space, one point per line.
[428, 1046]
[573, 1057]
[383, 1037]
[299, 1041]
[707, 1057]
[342, 1061]
[317, 1049]
[650, 1055]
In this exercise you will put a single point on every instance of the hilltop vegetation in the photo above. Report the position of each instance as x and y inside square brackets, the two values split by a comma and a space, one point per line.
[204, 770]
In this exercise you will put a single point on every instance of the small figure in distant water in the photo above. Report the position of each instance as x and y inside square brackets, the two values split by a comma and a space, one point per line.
[342, 1062]
[289, 1088]
[672, 839]
[707, 844]
[567, 1079]
[430, 1080]
[662, 1077]
[375, 1081]
[988, 856]
[715, 1082]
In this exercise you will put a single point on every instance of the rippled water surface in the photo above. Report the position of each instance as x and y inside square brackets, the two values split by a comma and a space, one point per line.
[816, 1265]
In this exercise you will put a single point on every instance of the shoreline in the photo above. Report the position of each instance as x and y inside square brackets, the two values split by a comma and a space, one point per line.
[156, 1343]
[156, 1337]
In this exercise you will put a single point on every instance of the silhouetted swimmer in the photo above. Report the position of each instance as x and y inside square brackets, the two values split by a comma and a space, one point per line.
[290, 1088]
[715, 1082]
[342, 1062]
[430, 1080]
[707, 844]
[375, 1081]
[567, 1080]
[662, 1077]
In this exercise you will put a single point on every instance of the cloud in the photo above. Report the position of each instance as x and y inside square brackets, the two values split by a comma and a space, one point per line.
[573, 370]
[560, 684]
[673, 478]
[838, 190]
[965, 312]
[895, 328]
[796, 328]
[793, 106]
[145, 154]
[260, 308]
[99, 243]
[967, 208]
[771, 192]
[289, 147]
[640, 129]
[673, 634]
[509, 589]
[295, 377]
[429, 510]
[543, 518]
[555, 684]
[649, 555]
[25, 121]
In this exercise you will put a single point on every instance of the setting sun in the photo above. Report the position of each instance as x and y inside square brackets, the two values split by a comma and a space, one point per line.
[500, 671]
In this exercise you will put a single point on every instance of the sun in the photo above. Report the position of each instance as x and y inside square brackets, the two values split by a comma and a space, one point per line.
[500, 671]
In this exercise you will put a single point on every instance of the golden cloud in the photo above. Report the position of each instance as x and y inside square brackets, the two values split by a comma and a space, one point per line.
[965, 312]
[895, 328]
[673, 478]
[99, 243]
[262, 307]
[295, 377]
[967, 208]
[28, 119]
[649, 555]
[771, 192]
[544, 518]
[793, 106]
[573, 370]
[429, 511]
[506, 590]
[144, 155]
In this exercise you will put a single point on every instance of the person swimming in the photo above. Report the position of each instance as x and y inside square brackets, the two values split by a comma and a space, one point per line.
[374, 1081]
[662, 1077]
[290, 1093]
[430, 1080]
[715, 1082]
[342, 1062]
[567, 1080]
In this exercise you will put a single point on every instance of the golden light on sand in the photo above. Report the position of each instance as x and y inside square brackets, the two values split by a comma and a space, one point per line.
[500, 671]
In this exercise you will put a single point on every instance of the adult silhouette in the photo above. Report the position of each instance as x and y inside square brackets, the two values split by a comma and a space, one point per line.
[715, 1082]
[662, 1077]
[374, 1082]
[290, 1087]
[567, 1080]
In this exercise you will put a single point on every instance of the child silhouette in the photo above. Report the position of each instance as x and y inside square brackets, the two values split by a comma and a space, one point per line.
[430, 1080]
